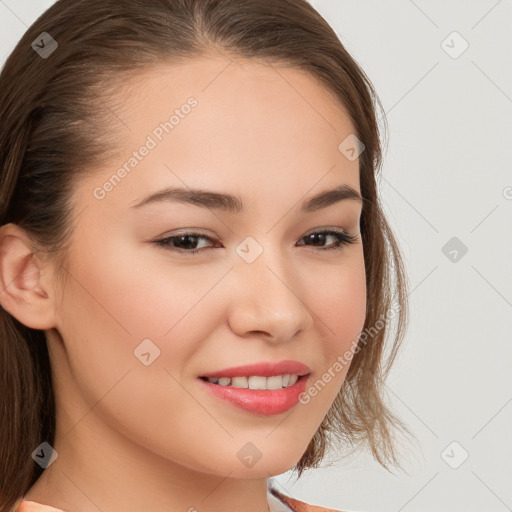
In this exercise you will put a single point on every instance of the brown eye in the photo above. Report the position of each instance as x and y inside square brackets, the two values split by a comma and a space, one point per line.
[185, 242]
[342, 238]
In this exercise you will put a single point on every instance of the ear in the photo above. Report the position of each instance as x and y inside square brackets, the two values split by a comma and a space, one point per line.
[23, 293]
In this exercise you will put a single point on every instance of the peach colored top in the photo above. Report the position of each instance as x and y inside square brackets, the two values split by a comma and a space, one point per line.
[32, 506]
[293, 505]
[296, 505]
[282, 504]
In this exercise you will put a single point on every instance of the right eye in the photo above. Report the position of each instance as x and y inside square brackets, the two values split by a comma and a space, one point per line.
[184, 239]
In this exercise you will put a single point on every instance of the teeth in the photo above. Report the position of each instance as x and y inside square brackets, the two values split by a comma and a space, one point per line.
[257, 382]
[239, 382]
[274, 382]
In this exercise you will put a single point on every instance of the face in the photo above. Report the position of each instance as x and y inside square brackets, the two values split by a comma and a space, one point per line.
[141, 316]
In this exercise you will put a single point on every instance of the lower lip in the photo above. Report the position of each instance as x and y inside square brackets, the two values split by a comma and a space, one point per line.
[260, 401]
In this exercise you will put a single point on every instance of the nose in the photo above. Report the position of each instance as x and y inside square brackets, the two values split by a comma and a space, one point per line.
[268, 299]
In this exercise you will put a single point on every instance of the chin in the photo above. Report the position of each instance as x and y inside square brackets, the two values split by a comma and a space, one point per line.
[261, 469]
[273, 462]
[252, 463]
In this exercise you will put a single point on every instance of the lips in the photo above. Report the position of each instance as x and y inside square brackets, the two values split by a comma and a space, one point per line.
[263, 402]
[263, 369]
[259, 401]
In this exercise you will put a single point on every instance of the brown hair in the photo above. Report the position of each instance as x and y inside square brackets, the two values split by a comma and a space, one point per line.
[53, 117]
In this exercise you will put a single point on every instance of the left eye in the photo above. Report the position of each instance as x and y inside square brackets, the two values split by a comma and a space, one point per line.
[189, 241]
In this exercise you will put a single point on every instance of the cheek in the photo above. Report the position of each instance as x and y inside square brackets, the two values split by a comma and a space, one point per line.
[131, 294]
[352, 302]
[338, 304]
[133, 311]
[339, 301]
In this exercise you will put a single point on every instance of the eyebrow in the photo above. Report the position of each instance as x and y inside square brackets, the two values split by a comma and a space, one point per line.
[231, 204]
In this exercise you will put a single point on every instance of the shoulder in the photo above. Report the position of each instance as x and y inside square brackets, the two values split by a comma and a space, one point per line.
[297, 505]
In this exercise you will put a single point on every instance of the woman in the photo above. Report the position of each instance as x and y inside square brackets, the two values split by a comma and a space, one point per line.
[197, 274]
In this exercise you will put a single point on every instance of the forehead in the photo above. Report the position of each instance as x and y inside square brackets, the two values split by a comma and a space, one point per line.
[232, 82]
[252, 125]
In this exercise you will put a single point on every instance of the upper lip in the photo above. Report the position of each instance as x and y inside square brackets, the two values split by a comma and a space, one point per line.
[263, 369]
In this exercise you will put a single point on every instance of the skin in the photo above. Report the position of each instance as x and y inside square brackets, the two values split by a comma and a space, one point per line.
[132, 437]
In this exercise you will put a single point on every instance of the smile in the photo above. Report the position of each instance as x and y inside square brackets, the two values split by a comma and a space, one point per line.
[256, 381]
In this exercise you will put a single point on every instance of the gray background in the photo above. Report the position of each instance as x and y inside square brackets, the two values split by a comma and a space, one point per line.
[447, 173]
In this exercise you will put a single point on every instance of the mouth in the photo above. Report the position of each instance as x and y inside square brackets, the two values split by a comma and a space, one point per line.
[263, 396]
[256, 381]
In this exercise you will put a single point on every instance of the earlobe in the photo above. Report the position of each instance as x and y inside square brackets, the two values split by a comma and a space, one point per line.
[22, 292]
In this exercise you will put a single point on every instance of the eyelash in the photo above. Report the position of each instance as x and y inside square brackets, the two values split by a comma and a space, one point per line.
[343, 239]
